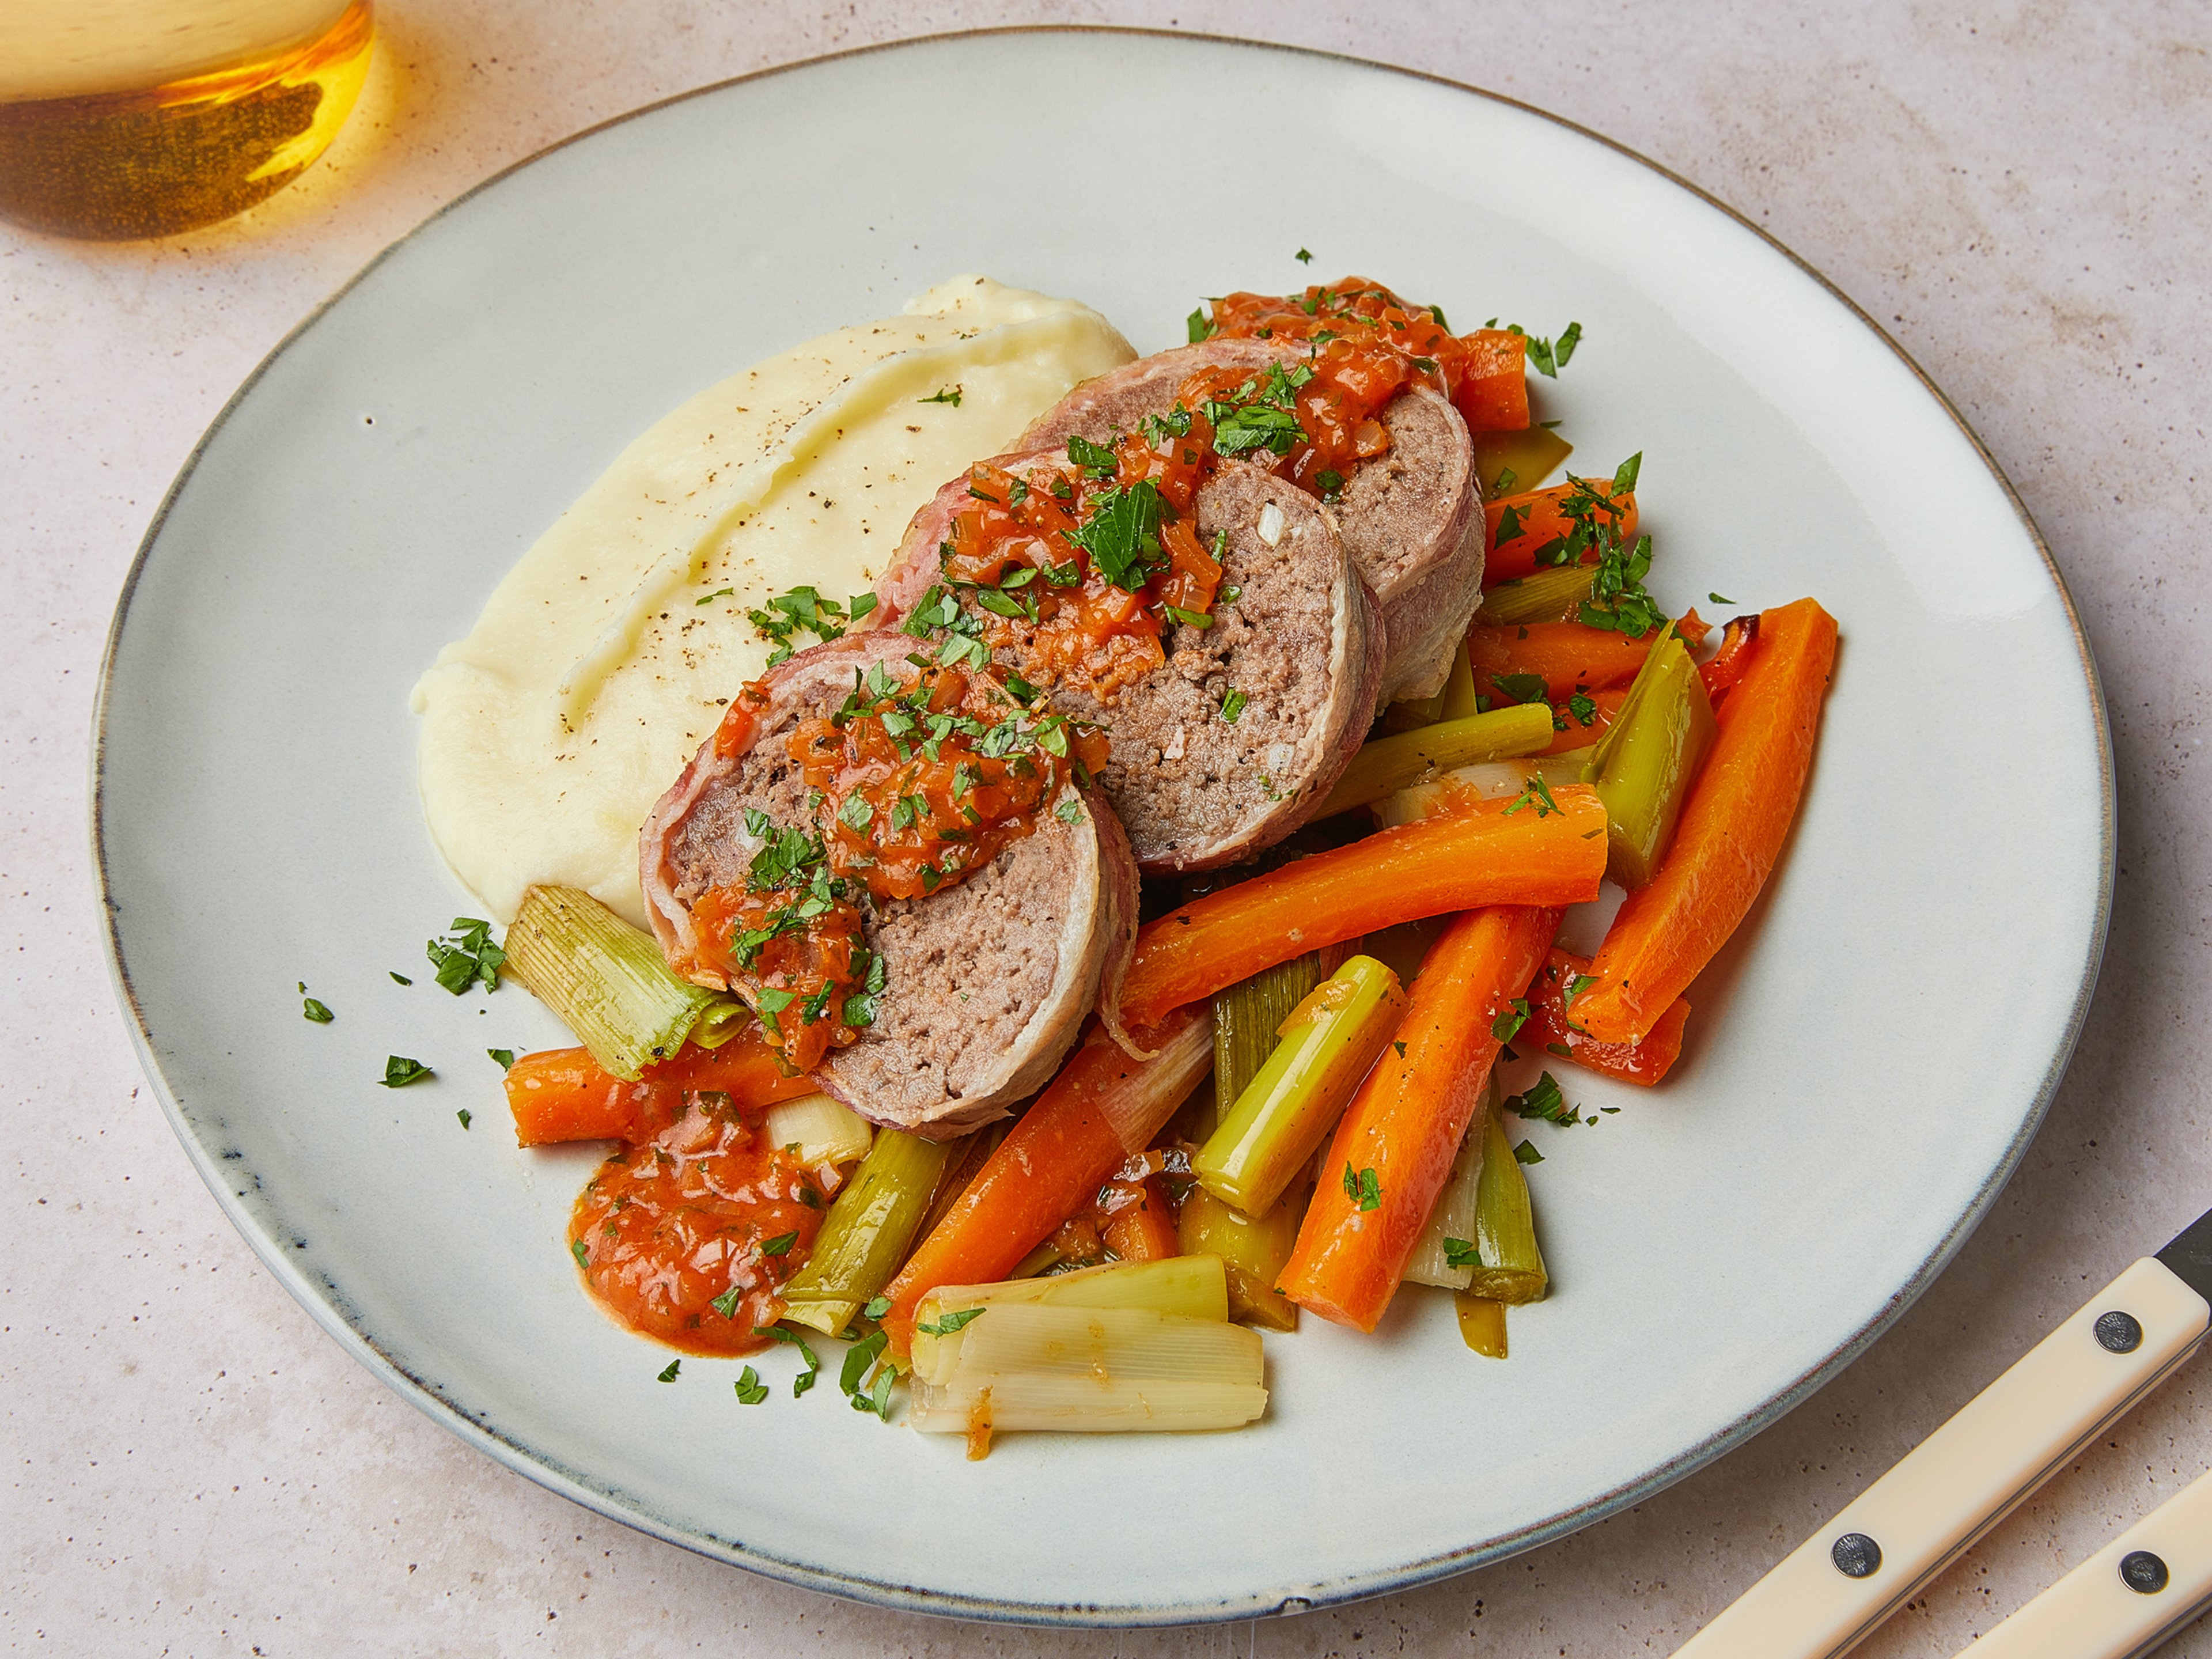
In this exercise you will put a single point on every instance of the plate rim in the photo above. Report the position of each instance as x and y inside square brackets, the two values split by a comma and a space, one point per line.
[549, 1472]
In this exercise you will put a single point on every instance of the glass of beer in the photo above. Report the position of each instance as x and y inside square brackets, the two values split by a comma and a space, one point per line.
[122, 118]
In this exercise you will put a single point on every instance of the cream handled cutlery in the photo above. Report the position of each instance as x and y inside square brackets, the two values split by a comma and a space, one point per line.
[2003, 1444]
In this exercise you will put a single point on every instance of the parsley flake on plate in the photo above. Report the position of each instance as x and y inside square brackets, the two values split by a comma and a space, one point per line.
[399, 1072]
[750, 1390]
[466, 956]
[668, 1372]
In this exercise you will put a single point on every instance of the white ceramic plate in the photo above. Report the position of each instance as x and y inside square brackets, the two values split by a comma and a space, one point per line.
[1866, 1066]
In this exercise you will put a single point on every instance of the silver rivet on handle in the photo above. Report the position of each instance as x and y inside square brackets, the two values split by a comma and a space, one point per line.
[2142, 1572]
[1856, 1555]
[2118, 1333]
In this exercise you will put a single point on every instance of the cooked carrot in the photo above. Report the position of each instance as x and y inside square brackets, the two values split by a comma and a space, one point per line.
[1550, 1008]
[1535, 520]
[1053, 1162]
[563, 1094]
[1143, 1230]
[1566, 656]
[1393, 1147]
[1576, 735]
[1738, 641]
[1731, 830]
[1493, 395]
[1527, 851]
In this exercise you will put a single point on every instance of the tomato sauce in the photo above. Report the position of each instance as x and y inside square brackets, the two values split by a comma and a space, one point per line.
[688, 1237]
[918, 781]
[1483, 373]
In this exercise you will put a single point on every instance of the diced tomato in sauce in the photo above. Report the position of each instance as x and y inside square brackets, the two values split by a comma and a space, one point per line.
[689, 1236]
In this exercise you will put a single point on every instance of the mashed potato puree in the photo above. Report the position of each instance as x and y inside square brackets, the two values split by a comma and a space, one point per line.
[606, 656]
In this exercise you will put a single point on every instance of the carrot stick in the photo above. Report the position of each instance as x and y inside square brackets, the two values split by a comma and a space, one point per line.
[1144, 1231]
[1493, 395]
[561, 1094]
[1578, 736]
[1520, 852]
[1394, 1146]
[1549, 1008]
[1536, 521]
[1053, 1162]
[1731, 830]
[1567, 656]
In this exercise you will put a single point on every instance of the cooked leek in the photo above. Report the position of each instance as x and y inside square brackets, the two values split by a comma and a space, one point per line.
[1252, 1255]
[1482, 1325]
[723, 1017]
[1248, 1019]
[866, 1237]
[1411, 713]
[1509, 1267]
[1328, 1045]
[1459, 688]
[816, 1129]
[1133, 1346]
[1499, 780]
[1544, 597]
[603, 977]
[1444, 1253]
[1646, 761]
[1387, 764]
[1514, 463]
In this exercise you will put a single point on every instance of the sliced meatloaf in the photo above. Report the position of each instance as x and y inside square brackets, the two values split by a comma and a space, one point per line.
[1411, 519]
[1237, 740]
[986, 982]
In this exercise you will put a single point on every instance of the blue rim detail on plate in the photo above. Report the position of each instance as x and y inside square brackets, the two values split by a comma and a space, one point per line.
[326, 1302]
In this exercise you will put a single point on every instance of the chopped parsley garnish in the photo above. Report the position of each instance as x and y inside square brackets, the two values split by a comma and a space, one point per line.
[576, 1248]
[1507, 477]
[1069, 810]
[948, 1323]
[1257, 426]
[1526, 1152]
[877, 1307]
[504, 1056]
[727, 1303]
[1094, 459]
[1617, 599]
[805, 1380]
[750, 1390]
[1582, 707]
[1521, 688]
[1188, 618]
[803, 610]
[779, 1245]
[1548, 357]
[1511, 1019]
[399, 1072]
[1719, 599]
[466, 956]
[1577, 986]
[859, 1359]
[1365, 1188]
[719, 593]
[668, 1371]
[1461, 1252]
[463, 1115]
[1197, 325]
[1303, 257]
[1538, 794]
[1331, 482]
[399, 978]
[317, 1012]
[1158, 429]
[1232, 705]
[1122, 533]
[1544, 1102]
[950, 394]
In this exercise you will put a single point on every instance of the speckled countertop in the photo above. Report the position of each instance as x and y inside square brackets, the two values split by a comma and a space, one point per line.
[193, 1469]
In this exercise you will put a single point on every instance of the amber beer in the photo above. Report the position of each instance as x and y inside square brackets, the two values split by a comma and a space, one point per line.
[122, 118]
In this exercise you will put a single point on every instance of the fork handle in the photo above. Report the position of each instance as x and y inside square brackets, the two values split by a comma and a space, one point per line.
[2127, 1597]
[2003, 1444]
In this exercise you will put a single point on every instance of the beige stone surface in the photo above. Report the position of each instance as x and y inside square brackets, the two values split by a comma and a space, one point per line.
[2017, 191]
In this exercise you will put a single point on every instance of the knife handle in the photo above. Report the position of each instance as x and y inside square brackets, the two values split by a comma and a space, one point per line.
[2127, 1597]
[1953, 1486]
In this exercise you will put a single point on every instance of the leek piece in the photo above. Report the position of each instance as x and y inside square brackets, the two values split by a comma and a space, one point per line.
[1037, 1365]
[1546, 596]
[723, 1017]
[1252, 1255]
[1189, 1287]
[603, 977]
[1529, 455]
[1459, 688]
[1248, 1020]
[1452, 1222]
[1646, 761]
[822, 1130]
[1278, 1120]
[1411, 713]
[1387, 765]
[1482, 1325]
[1511, 1268]
[866, 1237]
[1488, 780]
